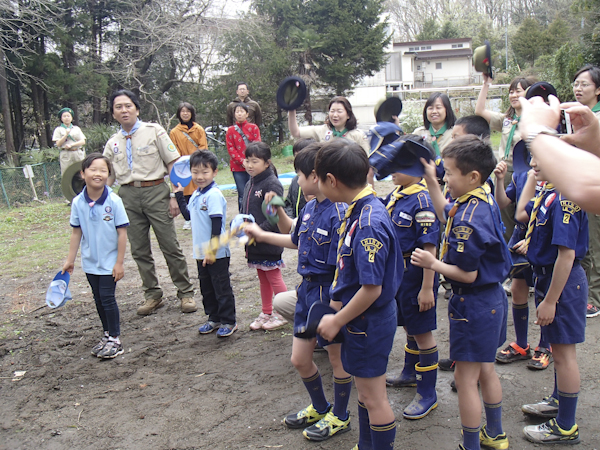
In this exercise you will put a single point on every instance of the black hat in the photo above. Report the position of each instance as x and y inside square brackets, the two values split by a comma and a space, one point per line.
[315, 314]
[71, 182]
[404, 155]
[386, 108]
[482, 59]
[521, 158]
[540, 89]
[291, 93]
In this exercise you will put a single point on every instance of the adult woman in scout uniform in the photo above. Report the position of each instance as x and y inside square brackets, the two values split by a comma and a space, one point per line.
[508, 124]
[70, 139]
[340, 122]
[586, 88]
[188, 137]
[438, 120]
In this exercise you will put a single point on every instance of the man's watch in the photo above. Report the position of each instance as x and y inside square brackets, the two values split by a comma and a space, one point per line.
[172, 195]
[536, 130]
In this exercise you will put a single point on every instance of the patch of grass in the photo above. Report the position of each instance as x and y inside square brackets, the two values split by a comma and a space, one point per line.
[33, 238]
[495, 140]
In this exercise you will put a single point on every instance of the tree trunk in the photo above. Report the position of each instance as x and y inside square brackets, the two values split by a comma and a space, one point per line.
[8, 129]
[38, 112]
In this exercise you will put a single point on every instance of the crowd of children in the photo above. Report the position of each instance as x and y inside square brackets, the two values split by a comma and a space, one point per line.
[375, 262]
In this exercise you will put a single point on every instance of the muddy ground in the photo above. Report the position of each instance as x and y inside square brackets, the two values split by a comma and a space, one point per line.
[175, 389]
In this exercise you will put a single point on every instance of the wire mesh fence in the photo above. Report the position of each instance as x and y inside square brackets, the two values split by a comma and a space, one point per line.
[16, 188]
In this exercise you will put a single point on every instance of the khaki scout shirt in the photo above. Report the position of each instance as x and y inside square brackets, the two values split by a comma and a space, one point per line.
[322, 133]
[75, 135]
[499, 122]
[442, 141]
[152, 151]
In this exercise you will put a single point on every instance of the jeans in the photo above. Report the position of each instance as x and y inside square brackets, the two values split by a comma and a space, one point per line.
[103, 288]
[217, 295]
[241, 178]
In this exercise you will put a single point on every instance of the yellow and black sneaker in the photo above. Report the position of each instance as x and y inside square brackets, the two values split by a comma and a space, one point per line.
[542, 357]
[304, 418]
[327, 427]
[498, 442]
[550, 433]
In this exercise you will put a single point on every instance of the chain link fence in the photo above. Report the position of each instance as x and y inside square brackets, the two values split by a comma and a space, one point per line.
[16, 188]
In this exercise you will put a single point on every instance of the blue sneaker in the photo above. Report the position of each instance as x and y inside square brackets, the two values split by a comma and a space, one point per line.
[208, 327]
[227, 330]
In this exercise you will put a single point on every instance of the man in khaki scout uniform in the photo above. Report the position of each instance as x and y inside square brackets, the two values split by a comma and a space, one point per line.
[142, 154]
[243, 96]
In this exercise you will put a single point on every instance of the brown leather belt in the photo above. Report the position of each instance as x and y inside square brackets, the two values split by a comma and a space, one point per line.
[145, 183]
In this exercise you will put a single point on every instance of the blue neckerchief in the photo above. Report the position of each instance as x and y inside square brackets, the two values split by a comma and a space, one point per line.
[92, 203]
[207, 188]
[128, 146]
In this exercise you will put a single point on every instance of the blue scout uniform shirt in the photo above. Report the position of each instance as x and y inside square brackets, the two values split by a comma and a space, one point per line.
[369, 254]
[558, 222]
[416, 224]
[316, 236]
[473, 238]
[98, 221]
[515, 188]
[203, 205]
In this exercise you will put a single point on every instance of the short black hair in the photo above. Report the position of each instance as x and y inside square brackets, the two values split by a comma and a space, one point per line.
[305, 159]
[240, 83]
[240, 105]
[476, 125]
[301, 143]
[345, 160]
[126, 92]
[450, 116]
[189, 107]
[470, 153]
[594, 75]
[89, 159]
[204, 158]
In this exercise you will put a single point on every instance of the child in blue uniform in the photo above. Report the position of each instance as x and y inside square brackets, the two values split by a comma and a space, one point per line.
[316, 238]
[413, 214]
[556, 241]
[99, 223]
[207, 210]
[475, 259]
[521, 281]
[367, 277]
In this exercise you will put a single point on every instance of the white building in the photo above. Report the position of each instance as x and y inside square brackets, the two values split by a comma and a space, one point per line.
[427, 64]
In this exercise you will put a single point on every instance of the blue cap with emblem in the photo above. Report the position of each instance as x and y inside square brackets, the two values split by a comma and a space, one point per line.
[58, 292]
[403, 155]
[315, 314]
[181, 172]
[521, 158]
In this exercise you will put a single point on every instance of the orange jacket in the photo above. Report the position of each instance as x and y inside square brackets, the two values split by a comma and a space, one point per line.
[185, 147]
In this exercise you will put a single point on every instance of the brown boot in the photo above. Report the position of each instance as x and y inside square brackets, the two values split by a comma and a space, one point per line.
[188, 305]
[151, 305]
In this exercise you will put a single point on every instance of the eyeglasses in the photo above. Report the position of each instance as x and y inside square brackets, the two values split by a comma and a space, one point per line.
[577, 84]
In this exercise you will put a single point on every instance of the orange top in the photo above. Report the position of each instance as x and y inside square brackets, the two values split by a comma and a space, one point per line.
[185, 147]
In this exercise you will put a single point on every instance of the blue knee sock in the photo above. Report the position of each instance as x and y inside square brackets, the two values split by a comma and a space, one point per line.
[493, 416]
[364, 427]
[543, 341]
[567, 407]
[314, 386]
[341, 389]
[383, 436]
[471, 438]
[555, 391]
[521, 321]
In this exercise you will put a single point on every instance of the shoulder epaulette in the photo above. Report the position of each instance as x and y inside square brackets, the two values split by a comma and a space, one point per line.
[469, 211]
[423, 200]
[365, 216]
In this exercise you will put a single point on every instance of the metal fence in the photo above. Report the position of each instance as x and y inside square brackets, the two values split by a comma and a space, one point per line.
[16, 188]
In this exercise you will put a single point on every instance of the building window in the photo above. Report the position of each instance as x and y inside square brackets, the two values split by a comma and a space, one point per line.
[438, 65]
[412, 49]
[457, 46]
[418, 67]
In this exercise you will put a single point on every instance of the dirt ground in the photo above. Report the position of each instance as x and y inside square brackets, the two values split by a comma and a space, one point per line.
[175, 389]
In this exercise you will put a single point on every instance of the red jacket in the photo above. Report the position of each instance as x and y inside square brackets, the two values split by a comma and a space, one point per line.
[236, 145]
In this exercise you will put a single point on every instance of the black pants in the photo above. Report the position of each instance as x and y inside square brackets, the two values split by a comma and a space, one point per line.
[103, 288]
[217, 295]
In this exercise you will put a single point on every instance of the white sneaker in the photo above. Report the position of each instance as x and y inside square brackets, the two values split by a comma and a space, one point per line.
[260, 321]
[275, 322]
[187, 225]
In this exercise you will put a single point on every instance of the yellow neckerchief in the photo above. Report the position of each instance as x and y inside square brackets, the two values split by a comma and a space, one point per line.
[482, 192]
[368, 190]
[534, 212]
[401, 193]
